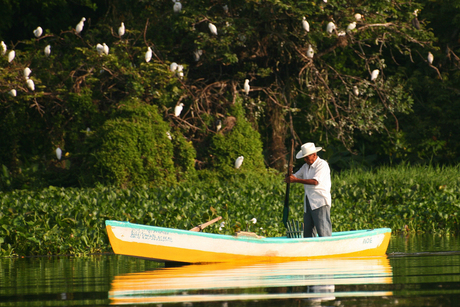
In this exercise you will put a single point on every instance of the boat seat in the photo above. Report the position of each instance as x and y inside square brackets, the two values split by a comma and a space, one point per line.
[248, 234]
[294, 229]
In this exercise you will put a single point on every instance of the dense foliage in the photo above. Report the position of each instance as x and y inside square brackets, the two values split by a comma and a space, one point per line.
[135, 148]
[310, 85]
[71, 221]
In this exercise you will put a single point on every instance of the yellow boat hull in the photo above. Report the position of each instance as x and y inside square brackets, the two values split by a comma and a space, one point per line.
[165, 244]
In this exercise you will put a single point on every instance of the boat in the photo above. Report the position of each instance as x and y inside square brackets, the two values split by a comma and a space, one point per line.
[177, 245]
[312, 280]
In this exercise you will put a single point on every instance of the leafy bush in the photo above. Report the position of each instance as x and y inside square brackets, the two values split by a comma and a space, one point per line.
[239, 140]
[133, 149]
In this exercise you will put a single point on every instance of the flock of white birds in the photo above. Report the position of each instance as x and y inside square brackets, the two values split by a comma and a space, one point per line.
[103, 49]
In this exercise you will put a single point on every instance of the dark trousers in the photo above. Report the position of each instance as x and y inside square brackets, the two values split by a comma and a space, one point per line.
[317, 221]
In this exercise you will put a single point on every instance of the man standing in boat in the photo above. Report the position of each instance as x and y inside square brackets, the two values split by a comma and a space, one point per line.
[315, 175]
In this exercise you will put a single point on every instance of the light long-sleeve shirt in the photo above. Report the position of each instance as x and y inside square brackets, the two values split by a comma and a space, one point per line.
[318, 195]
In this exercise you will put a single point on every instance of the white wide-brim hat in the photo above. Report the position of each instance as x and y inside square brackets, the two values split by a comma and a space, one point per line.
[307, 149]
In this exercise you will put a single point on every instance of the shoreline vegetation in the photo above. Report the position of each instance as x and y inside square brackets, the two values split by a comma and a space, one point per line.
[63, 221]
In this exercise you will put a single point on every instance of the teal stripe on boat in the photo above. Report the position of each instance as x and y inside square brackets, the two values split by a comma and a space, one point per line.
[336, 236]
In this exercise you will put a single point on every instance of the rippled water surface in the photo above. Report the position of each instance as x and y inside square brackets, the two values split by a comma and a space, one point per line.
[419, 270]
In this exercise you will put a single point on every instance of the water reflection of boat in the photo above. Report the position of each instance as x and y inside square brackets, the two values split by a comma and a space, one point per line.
[166, 244]
[312, 280]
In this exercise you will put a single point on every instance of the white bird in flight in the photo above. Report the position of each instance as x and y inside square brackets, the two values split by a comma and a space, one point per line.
[11, 56]
[148, 54]
[13, 92]
[305, 24]
[375, 74]
[238, 162]
[121, 30]
[31, 84]
[212, 28]
[310, 52]
[27, 72]
[80, 25]
[247, 87]
[430, 58]
[178, 109]
[38, 32]
[47, 50]
[4, 48]
[330, 27]
[58, 153]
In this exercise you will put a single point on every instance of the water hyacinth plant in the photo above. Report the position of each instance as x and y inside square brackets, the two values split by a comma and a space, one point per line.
[71, 221]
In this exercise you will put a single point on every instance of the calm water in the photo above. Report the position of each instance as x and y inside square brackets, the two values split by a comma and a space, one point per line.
[418, 271]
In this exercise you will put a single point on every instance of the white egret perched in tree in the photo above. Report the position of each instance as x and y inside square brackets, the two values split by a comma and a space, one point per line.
[246, 86]
[330, 27]
[27, 72]
[355, 90]
[11, 56]
[80, 25]
[180, 71]
[4, 48]
[13, 92]
[218, 125]
[173, 66]
[374, 74]
[31, 84]
[222, 225]
[121, 30]
[212, 28]
[58, 153]
[430, 58]
[47, 50]
[253, 220]
[148, 54]
[305, 24]
[178, 109]
[177, 7]
[168, 135]
[415, 21]
[358, 16]
[238, 162]
[197, 54]
[38, 32]
[100, 49]
[106, 49]
[351, 26]
[310, 52]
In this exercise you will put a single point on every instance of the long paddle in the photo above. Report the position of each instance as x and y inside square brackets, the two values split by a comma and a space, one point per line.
[286, 198]
[202, 226]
